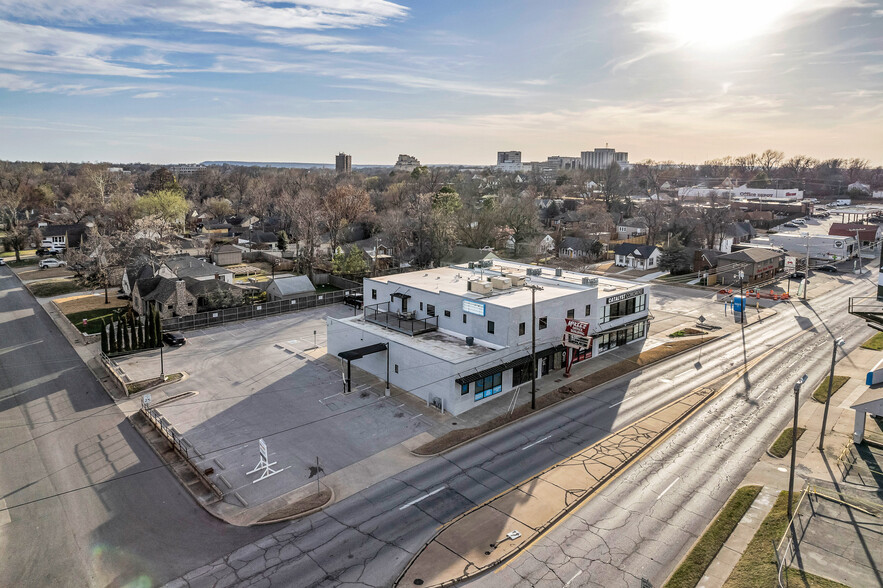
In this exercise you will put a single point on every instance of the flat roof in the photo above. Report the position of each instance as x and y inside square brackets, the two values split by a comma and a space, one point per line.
[439, 344]
[454, 279]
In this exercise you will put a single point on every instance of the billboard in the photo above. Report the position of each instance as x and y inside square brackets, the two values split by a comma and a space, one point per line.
[576, 334]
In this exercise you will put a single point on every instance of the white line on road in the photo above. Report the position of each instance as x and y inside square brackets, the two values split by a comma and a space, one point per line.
[575, 576]
[724, 430]
[618, 403]
[666, 380]
[535, 442]
[424, 497]
[669, 487]
[327, 397]
[683, 374]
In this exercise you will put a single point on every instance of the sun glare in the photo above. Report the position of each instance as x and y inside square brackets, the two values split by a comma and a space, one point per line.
[721, 23]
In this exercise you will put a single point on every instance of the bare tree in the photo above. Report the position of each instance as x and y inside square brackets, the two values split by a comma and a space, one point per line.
[798, 166]
[770, 160]
[343, 205]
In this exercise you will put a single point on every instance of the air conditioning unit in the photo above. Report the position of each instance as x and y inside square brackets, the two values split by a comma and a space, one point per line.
[534, 271]
[480, 287]
[517, 280]
[487, 263]
[471, 265]
[591, 282]
[558, 272]
[501, 283]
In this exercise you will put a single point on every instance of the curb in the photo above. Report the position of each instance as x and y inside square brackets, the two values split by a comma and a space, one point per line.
[300, 514]
[563, 400]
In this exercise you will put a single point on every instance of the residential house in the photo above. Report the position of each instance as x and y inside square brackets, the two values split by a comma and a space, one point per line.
[214, 294]
[628, 228]
[756, 263]
[642, 257]
[289, 288]
[226, 255]
[734, 234]
[539, 246]
[138, 267]
[168, 296]
[187, 266]
[578, 248]
[705, 259]
[62, 235]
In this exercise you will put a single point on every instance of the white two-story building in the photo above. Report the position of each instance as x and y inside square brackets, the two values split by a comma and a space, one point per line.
[459, 335]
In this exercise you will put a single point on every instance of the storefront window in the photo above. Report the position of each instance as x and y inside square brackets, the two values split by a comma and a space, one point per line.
[464, 389]
[489, 386]
[624, 308]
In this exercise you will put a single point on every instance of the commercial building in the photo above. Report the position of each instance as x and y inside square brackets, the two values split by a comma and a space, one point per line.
[743, 193]
[755, 263]
[343, 163]
[816, 247]
[563, 162]
[457, 336]
[509, 161]
[602, 157]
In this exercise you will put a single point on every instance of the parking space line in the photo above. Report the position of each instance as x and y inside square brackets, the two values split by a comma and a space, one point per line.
[669, 487]
[535, 442]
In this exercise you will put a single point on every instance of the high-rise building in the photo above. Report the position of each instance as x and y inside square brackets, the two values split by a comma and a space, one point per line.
[602, 157]
[343, 163]
[509, 161]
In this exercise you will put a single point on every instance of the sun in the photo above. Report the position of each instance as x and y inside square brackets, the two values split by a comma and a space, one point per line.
[721, 23]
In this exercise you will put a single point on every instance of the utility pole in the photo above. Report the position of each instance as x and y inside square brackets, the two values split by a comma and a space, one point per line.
[806, 273]
[859, 242]
[742, 296]
[797, 386]
[533, 345]
[837, 343]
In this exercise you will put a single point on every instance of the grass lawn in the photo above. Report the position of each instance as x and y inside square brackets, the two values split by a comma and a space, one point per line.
[135, 387]
[782, 445]
[757, 567]
[54, 288]
[875, 342]
[93, 327]
[23, 252]
[691, 570]
[821, 393]
[26, 262]
[323, 288]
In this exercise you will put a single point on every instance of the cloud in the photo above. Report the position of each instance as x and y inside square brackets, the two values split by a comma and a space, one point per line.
[149, 95]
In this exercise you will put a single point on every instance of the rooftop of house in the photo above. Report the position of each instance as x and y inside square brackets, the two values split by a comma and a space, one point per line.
[156, 288]
[638, 251]
[185, 266]
[454, 279]
[576, 243]
[294, 285]
[752, 255]
[226, 248]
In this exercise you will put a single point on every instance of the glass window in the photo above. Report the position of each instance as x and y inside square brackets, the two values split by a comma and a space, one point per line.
[464, 318]
[588, 309]
[570, 313]
[520, 329]
[490, 327]
[421, 306]
[430, 309]
[544, 321]
[464, 389]
[489, 386]
[448, 313]
[373, 294]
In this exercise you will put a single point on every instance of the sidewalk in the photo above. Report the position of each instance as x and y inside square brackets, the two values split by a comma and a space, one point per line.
[773, 473]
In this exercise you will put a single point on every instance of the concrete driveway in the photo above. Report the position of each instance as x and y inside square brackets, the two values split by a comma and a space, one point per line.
[264, 379]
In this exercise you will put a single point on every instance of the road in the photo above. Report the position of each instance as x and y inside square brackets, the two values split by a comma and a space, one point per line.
[636, 528]
[83, 499]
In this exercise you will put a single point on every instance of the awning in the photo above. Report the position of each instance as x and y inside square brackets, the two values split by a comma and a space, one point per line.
[507, 365]
[620, 327]
[359, 353]
[400, 295]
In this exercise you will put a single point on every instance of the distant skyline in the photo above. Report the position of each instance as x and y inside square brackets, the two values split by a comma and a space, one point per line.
[447, 82]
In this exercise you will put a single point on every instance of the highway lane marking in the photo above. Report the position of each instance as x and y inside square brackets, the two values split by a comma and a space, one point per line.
[617, 404]
[668, 488]
[724, 430]
[535, 442]
[575, 576]
[683, 374]
[424, 497]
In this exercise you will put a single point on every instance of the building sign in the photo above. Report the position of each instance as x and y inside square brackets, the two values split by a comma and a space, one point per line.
[473, 307]
[838, 244]
[790, 264]
[577, 341]
[624, 296]
[576, 327]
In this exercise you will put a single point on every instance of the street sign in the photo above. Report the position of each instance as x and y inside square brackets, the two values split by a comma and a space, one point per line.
[738, 303]
[264, 464]
[145, 401]
[790, 264]
[262, 447]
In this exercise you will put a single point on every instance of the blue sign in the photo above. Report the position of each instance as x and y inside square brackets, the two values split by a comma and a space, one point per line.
[738, 303]
[473, 307]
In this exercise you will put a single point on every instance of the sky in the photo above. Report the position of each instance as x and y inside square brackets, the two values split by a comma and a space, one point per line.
[447, 81]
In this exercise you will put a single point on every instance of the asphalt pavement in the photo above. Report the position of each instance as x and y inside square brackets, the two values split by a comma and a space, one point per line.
[83, 500]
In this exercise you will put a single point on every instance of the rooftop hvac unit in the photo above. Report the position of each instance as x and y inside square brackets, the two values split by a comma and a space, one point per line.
[591, 282]
[487, 263]
[471, 265]
[517, 280]
[558, 272]
[501, 283]
[534, 271]
[480, 287]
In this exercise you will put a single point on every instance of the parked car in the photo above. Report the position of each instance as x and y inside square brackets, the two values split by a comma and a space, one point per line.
[354, 300]
[44, 251]
[2, 261]
[173, 339]
[798, 276]
[790, 225]
[51, 262]
[831, 269]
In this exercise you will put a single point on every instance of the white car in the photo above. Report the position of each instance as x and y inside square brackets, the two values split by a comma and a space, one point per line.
[47, 263]
[2, 261]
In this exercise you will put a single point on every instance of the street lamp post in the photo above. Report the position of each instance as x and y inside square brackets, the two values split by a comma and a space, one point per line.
[805, 235]
[533, 346]
[797, 386]
[742, 296]
[837, 343]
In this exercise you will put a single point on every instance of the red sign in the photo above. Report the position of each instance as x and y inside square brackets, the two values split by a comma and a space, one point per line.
[576, 327]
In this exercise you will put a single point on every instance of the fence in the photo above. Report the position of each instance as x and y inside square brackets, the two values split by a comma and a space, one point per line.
[119, 378]
[253, 311]
[180, 445]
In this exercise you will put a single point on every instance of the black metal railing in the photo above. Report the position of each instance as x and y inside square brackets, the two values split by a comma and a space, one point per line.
[867, 307]
[403, 322]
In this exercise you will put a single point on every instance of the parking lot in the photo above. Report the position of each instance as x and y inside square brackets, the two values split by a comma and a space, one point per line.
[264, 379]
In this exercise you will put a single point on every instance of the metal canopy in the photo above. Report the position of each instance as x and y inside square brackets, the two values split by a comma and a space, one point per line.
[400, 295]
[359, 353]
